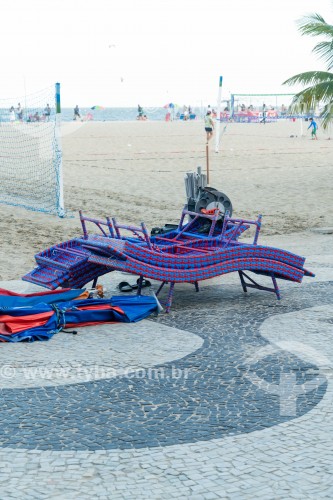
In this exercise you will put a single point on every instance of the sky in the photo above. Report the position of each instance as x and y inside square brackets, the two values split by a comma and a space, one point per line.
[152, 52]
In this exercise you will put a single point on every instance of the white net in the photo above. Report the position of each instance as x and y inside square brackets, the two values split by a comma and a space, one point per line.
[249, 108]
[30, 155]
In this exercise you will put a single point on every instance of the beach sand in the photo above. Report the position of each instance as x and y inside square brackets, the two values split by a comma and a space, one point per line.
[135, 170]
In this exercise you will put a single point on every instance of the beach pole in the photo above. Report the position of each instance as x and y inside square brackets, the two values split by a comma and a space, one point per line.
[58, 153]
[218, 118]
[207, 163]
[301, 118]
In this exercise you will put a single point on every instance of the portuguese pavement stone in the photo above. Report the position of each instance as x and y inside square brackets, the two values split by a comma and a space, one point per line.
[228, 396]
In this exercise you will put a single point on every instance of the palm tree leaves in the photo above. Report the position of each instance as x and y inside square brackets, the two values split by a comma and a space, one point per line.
[310, 78]
[320, 90]
[327, 114]
[325, 52]
[319, 83]
[314, 25]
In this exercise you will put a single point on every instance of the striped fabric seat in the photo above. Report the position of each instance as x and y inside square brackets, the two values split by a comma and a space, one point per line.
[182, 255]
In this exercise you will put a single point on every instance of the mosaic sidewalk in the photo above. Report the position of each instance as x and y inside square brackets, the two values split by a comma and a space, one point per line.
[229, 396]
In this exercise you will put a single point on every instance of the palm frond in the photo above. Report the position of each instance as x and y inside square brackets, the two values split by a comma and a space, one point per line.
[325, 52]
[327, 115]
[319, 84]
[303, 102]
[308, 99]
[310, 78]
[318, 93]
[315, 25]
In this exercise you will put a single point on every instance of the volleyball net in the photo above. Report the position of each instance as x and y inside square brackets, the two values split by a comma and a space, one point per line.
[30, 152]
[253, 108]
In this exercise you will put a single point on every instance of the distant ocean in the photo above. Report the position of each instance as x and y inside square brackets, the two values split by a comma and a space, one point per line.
[120, 114]
[103, 115]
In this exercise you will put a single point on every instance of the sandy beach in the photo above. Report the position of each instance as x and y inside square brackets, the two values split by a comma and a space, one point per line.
[135, 171]
[86, 416]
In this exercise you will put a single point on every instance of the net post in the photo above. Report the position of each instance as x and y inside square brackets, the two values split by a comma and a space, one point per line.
[58, 154]
[232, 106]
[218, 118]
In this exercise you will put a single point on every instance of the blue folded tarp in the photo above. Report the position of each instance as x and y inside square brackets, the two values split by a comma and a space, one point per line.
[42, 321]
[12, 299]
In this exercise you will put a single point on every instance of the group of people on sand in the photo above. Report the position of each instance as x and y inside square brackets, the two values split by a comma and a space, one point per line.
[209, 118]
[36, 117]
[209, 124]
[187, 111]
[77, 115]
[16, 112]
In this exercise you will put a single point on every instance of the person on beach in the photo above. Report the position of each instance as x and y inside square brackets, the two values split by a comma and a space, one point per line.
[77, 113]
[314, 126]
[47, 112]
[209, 125]
[12, 116]
[140, 113]
[263, 120]
[19, 112]
[171, 111]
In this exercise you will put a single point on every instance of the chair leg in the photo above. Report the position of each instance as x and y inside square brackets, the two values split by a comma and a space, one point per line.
[160, 287]
[253, 284]
[196, 284]
[94, 282]
[169, 300]
[139, 285]
[240, 273]
[276, 287]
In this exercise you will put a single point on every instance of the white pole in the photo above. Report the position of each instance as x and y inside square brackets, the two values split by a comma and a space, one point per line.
[301, 126]
[60, 201]
[218, 118]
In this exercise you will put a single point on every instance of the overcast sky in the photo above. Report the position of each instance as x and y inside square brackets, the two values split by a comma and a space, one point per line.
[125, 52]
